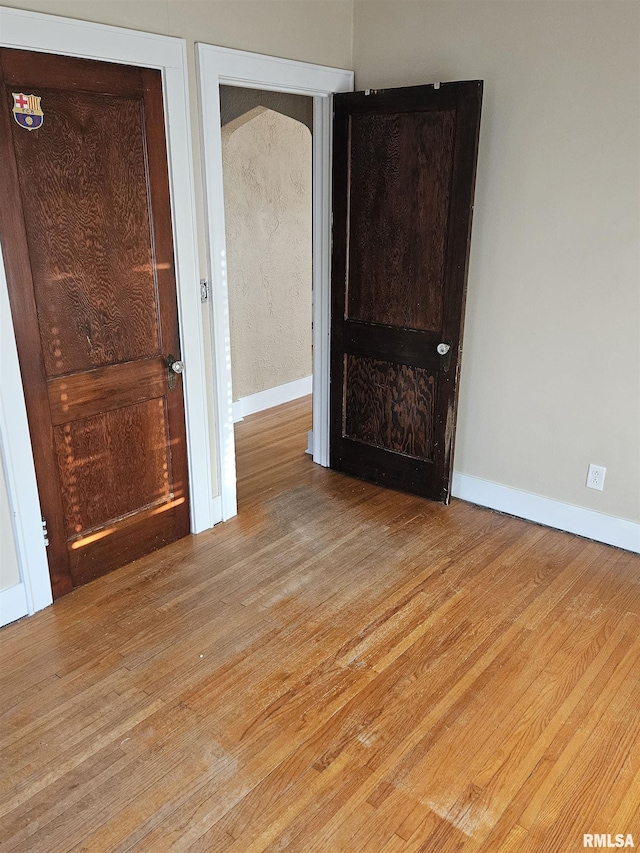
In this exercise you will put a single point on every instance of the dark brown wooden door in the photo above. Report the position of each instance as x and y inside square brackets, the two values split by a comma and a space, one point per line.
[85, 224]
[403, 183]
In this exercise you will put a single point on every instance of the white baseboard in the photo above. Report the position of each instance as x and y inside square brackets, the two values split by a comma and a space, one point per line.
[271, 397]
[13, 604]
[574, 519]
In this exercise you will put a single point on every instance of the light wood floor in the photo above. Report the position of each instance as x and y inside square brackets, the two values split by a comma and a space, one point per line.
[339, 669]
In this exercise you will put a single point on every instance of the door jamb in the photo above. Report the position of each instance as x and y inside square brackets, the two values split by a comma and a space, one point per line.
[52, 34]
[218, 65]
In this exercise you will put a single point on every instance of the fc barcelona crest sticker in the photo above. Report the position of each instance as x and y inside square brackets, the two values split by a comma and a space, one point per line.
[27, 111]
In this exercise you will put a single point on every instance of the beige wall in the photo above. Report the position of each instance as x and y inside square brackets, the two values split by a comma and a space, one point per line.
[551, 366]
[266, 160]
[9, 572]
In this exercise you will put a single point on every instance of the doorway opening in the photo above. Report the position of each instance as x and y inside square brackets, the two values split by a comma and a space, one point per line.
[222, 66]
[267, 175]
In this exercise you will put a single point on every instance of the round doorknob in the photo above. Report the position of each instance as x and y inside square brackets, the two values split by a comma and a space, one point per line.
[177, 366]
[443, 349]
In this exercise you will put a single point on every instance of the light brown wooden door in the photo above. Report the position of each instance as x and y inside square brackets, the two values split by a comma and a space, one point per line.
[85, 224]
[404, 176]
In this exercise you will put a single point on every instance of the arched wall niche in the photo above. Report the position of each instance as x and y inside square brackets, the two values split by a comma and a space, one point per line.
[267, 169]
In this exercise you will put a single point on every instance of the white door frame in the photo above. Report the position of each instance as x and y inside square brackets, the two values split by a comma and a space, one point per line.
[251, 70]
[69, 37]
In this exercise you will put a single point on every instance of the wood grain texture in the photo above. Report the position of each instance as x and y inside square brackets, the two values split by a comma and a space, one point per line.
[132, 536]
[85, 394]
[339, 668]
[400, 179]
[88, 249]
[25, 68]
[389, 405]
[87, 216]
[96, 458]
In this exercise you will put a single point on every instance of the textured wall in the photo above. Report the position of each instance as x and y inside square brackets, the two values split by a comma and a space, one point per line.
[551, 365]
[9, 572]
[267, 193]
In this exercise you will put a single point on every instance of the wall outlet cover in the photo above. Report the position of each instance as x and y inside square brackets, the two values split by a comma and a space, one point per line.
[595, 477]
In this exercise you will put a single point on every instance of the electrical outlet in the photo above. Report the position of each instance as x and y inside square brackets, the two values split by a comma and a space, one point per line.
[595, 477]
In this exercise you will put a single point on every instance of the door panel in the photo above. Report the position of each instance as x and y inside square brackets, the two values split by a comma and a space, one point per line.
[375, 413]
[96, 456]
[401, 207]
[88, 230]
[89, 257]
[404, 174]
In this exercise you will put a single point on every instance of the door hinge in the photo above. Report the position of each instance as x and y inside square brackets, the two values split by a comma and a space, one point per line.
[45, 532]
[204, 290]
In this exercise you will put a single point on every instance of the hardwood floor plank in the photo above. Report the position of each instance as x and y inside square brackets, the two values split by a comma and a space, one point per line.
[395, 845]
[514, 840]
[566, 742]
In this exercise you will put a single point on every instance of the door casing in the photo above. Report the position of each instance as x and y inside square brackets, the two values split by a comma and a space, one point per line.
[254, 71]
[52, 34]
